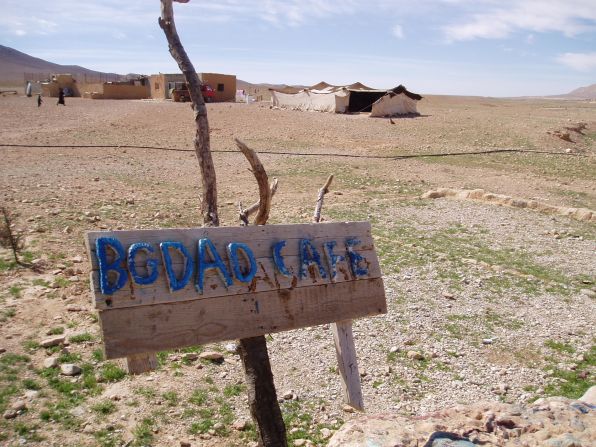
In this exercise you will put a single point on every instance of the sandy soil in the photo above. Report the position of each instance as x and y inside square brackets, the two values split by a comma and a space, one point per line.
[456, 272]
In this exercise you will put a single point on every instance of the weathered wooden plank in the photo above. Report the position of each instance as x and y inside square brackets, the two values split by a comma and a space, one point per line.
[266, 279]
[348, 363]
[260, 242]
[136, 330]
[260, 237]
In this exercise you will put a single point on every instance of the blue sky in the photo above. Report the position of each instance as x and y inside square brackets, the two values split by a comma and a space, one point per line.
[464, 47]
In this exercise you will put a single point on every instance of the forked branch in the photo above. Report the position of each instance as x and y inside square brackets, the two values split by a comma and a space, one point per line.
[262, 397]
[244, 214]
[262, 180]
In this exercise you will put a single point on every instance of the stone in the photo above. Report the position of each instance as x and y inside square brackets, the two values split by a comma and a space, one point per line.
[240, 425]
[299, 442]
[348, 409]
[53, 341]
[50, 362]
[212, 356]
[589, 396]
[288, 395]
[326, 433]
[415, 355]
[487, 341]
[190, 356]
[31, 394]
[448, 295]
[77, 259]
[74, 308]
[2, 350]
[19, 405]
[232, 348]
[70, 369]
[10, 414]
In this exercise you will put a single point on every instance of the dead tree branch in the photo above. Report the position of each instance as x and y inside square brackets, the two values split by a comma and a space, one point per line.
[324, 190]
[262, 180]
[201, 142]
[244, 214]
[262, 397]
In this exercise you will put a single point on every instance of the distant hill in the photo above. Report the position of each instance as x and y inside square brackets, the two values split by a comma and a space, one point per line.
[588, 92]
[13, 64]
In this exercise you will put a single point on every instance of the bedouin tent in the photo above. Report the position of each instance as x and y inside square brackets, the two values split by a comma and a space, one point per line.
[398, 101]
[353, 98]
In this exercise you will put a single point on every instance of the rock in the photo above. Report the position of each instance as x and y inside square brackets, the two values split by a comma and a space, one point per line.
[240, 425]
[212, 355]
[232, 348]
[299, 442]
[70, 369]
[185, 444]
[326, 433]
[348, 409]
[31, 394]
[10, 414]
[74, 308]
[2, 350]
[288, 395]
[415, 355]
[589, 396]
[78, 412]
[448, 295]
[190, 356]
[19, 405]
[88, 429]
[548, 422]
[53, 341]
[77, 259]
[50, 362]
[487, 341]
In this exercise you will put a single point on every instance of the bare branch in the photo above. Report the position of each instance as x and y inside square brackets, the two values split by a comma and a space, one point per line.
[201, 142]
[319, 206]
[245, 214]
[262, 180]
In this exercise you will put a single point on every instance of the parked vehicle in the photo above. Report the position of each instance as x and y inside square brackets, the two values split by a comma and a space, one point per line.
[180, 92]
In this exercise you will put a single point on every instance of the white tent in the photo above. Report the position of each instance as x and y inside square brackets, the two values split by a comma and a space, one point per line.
[354, 98]
[392, 104]
[326, 100]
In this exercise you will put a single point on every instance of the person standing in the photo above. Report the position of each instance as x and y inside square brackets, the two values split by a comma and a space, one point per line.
[39, 100]
[61, 97]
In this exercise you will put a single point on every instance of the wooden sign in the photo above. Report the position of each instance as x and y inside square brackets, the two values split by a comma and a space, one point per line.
[171, 288]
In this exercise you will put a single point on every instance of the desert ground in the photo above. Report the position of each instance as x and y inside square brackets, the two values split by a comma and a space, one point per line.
[485, 302]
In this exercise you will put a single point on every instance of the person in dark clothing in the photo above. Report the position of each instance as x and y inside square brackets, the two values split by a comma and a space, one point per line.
[39, 100]
[61, 97]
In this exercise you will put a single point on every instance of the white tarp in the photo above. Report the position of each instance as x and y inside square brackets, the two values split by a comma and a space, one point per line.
[326, 100]
[393, 104]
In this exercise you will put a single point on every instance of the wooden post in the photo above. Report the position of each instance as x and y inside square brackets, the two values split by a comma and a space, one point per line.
[343, 337]
[262, 397]
[261, 390]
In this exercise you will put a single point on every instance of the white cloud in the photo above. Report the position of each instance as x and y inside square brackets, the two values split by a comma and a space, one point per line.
[578, 61]
[569, 17]
[398, 31]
